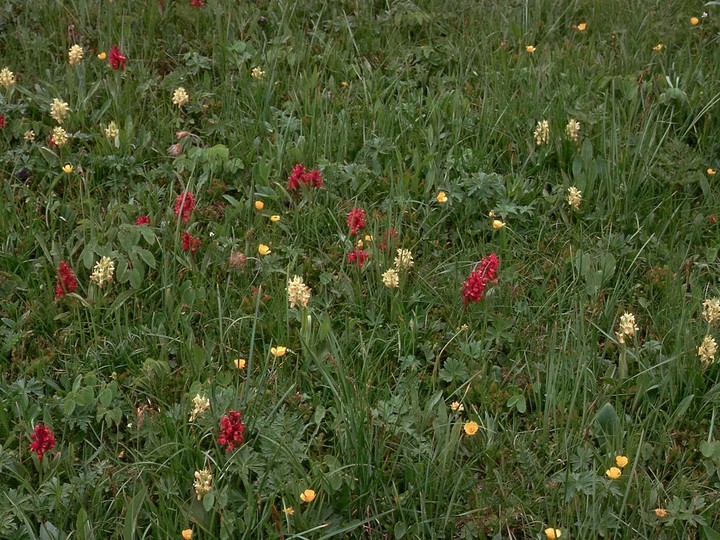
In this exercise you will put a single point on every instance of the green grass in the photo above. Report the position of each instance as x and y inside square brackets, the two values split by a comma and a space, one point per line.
[393, 102]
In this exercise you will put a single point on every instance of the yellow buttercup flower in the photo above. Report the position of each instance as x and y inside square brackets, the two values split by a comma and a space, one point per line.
[274, 218]
[264, 250]
[553, 533]
[613, 473]
[711, 172]
[456, 406]
[582, 26]
[278, 351]
[471, 428]
[240, 363]
[259, 205]
[441, 197]
[530, 49]
[497, 224]
[694, 21]
[621, 461]
[659, 47]
[307, 496]
[187, 533]
[102, 56]
[67, 169]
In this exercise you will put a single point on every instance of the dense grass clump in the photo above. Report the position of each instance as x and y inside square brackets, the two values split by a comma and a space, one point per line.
[306, 269]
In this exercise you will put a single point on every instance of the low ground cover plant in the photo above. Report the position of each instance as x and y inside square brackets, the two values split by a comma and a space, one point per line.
[359, 269]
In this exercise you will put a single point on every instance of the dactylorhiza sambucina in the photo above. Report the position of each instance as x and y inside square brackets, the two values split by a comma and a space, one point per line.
[59, 110]
[542, 132]
[707, 350]
[298, 292]
[626, 327]
[202, 483]
[200, 405]
[103, 271]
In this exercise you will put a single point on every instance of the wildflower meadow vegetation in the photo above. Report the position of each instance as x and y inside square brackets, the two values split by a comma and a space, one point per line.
[359, 268]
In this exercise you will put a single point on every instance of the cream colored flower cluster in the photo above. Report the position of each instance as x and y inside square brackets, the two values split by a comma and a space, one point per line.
[298, 292]
[202, 483]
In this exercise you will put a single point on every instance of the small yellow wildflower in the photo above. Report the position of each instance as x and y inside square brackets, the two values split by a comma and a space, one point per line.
[257, 73]
[67, 168]
[582, 26]
[497, 224]
[694, 21]
[278, 351]
[187, 533]
[613, 473]
[659, 47]
[621, 461]
[530, 49]
[240, 363]
[264, 250]
[102, 56]
[344, 84]
[660, 512]
[711, 172]
[307, 496]
[552, 533]
[471, 428]
[368, 238]
[274, 218]
[180, 97]
[289, 511]
[75, 54]
[441, 197]
[259, 205]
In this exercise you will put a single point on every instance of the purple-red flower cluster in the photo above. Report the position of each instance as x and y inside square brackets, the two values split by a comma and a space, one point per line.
[184, 205]
[43, 440]
[197, 3]
[143, 220]
[190, 243]
[302, 176]
[65, 282]
[356, 220]
[116, 58]
[358, 256]
[2, 121]
[232, 430]
[476, 283]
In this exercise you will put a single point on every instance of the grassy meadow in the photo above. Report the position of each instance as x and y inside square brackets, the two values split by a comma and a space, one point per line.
[359, 269]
